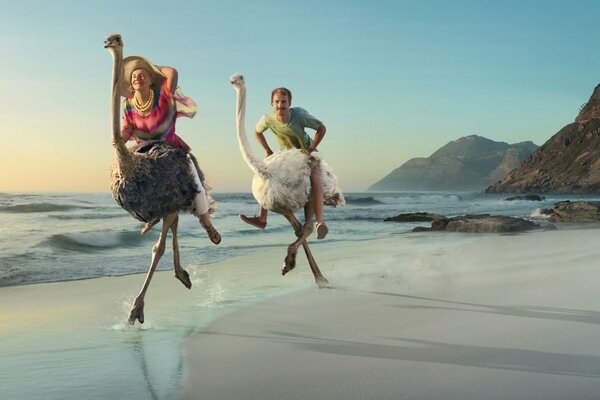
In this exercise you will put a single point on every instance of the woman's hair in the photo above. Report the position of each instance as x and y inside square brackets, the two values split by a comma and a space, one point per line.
[282, 90]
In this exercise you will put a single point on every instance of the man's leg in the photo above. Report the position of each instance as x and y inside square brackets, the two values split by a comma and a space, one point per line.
[317, 198]
[259, 221]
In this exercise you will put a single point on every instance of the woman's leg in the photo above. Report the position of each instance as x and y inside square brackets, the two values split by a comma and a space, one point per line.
[201, 202]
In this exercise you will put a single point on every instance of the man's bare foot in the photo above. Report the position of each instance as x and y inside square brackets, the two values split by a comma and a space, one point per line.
[254, 221]
[322, 230]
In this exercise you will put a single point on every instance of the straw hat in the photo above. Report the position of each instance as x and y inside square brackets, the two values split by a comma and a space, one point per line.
[132, 63]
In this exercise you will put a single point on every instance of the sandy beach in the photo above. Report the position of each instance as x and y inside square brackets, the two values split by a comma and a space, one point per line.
[409, 316]
[487, 317]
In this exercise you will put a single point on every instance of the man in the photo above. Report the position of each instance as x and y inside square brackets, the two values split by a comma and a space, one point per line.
[288, 125]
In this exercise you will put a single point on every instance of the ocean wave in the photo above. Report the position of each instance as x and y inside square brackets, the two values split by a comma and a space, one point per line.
[245, 229]
[354, 217]
[10, 271]
[39, 208]
[17, 196]
[85, 242]
[539, 213]
[234, 197]
[69, 217]
[27, 268]
[363, 201]
[420, 198]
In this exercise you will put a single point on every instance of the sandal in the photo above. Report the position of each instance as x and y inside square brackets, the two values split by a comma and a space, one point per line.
[213, 235]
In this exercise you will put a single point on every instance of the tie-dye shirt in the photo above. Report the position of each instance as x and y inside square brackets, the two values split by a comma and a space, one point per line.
[290, 134]
[160, 123]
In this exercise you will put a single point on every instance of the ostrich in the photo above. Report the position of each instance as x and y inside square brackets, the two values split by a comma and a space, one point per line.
[281, 184]
[151, 181]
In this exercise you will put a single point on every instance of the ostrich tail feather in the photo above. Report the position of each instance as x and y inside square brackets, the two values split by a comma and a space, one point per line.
[332, 194]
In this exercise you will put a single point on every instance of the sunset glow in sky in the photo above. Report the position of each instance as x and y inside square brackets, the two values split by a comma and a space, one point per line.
[391, 80]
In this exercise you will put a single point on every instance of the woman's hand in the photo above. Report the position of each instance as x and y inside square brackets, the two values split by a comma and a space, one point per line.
[172, 76]
[308, 150]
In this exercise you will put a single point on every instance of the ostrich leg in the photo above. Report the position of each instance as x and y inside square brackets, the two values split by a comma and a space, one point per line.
[137, 310]
[302, 232]
[180, 273]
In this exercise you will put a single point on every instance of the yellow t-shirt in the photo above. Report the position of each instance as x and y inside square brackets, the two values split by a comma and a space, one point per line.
[292, 133]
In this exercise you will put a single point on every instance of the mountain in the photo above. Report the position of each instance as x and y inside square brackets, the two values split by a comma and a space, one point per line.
[469, 163]
[569, 162]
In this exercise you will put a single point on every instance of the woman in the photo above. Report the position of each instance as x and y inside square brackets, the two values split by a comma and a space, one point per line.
[150, 109]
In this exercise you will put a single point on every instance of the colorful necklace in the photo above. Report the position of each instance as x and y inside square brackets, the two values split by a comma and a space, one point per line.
[144, 108]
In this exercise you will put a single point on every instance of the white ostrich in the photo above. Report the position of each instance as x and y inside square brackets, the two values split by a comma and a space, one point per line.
[281, 183]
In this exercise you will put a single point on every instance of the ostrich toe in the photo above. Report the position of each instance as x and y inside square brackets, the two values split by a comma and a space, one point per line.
[149, 225]
[289, 263]
[184, 277]
[136, 312]
[322, 282]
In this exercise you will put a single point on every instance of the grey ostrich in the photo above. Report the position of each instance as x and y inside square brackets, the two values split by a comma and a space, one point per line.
[151, 181]
[281, 184]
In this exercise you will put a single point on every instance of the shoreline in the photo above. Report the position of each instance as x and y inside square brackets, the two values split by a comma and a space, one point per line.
[243, 322]
[67, 340]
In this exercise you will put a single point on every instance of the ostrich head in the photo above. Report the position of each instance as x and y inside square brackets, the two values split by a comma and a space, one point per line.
[237, 81]
[113, 42]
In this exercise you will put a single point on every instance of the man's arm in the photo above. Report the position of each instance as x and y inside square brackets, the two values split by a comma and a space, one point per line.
[318, 137]
[263, 142]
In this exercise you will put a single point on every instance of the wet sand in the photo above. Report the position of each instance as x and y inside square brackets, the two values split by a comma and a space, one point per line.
[493, 317]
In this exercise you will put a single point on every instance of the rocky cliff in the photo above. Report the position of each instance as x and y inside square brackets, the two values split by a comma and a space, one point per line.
[569, 162]
[469, 163]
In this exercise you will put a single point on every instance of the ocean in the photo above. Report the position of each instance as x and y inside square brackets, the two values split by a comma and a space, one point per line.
[73, 343]
[55, 237]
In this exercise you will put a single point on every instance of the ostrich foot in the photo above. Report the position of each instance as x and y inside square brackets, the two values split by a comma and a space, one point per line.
[184, 277]
[289, 263]
[322, 282]
[136, 312]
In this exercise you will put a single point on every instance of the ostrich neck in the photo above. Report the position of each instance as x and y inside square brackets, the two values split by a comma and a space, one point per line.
[255, 164]
[117, 73]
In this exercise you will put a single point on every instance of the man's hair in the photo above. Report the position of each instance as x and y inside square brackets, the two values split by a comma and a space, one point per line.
[282, 90]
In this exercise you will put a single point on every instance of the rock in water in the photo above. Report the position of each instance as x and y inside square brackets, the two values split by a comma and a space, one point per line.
[415, 217]
[481, 223]
[576, 211]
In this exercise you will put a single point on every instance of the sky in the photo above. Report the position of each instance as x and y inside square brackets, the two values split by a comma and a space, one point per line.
[391, 80]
